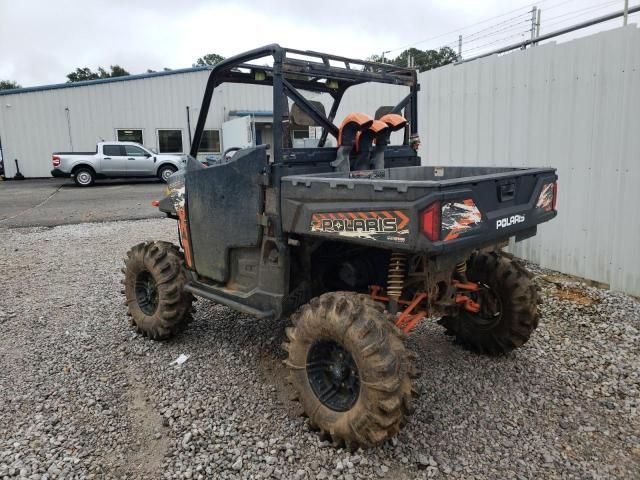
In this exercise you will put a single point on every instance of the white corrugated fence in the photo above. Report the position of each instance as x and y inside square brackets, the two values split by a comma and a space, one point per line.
[574, 106]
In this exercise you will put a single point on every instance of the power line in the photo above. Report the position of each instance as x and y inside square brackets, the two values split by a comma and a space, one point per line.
[558, 32]
[473, 37]
[571, 14]
[491, 27]
[454, 31]
[577, 13]
[508, 25]
[458, 30]
[500, 40]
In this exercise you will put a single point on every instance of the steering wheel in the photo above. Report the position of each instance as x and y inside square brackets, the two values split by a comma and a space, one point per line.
[225, 157]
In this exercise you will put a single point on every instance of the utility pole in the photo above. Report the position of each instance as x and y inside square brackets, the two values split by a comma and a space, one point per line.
[538, 23]
[626, 12]
[386, 51]
[459, 47]
[533, 22]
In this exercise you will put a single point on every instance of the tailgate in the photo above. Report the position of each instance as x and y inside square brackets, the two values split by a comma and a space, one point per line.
[468, 208]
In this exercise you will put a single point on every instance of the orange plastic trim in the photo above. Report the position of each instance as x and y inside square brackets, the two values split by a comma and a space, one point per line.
[184, 235]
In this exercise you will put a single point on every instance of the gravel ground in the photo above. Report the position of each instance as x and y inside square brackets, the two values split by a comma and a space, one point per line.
[82, 396]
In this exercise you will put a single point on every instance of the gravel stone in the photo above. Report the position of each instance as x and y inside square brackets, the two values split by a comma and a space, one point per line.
[83, 396]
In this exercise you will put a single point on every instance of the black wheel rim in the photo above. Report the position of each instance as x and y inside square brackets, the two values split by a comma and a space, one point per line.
[333, 375]
[490, 308]
[146, 293]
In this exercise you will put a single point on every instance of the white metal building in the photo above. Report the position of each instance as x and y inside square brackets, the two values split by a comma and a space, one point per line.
[159, 110]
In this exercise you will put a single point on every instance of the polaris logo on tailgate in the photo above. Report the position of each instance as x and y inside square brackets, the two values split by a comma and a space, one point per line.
[508, 221]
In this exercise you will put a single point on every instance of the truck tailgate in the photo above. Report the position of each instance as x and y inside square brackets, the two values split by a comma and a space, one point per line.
[420, 208]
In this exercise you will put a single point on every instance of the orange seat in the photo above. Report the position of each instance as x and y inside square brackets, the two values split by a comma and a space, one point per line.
[349, 129]
[394, 122]
[377, 132]
[353, 123]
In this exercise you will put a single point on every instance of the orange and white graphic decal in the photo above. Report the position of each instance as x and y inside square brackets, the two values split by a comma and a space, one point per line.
[459, 218]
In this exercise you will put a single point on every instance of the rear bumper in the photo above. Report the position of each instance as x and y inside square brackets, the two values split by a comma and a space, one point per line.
[56, 172]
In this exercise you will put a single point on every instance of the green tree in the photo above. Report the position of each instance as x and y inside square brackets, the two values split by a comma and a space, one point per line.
[209, 59]
[118, 71]
[422, 59]
[81, 74]
[8, 85]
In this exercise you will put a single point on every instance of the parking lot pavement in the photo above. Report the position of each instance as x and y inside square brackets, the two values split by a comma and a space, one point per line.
[50, 202]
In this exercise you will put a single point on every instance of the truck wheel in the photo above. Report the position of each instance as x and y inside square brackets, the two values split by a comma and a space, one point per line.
[509, 306]
[351, 373]
[165, 172]
[84, 177]
[154, 279]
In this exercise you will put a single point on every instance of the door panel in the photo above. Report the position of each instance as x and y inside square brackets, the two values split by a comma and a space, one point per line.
[223, 206]
[139, 164]
[113, 160]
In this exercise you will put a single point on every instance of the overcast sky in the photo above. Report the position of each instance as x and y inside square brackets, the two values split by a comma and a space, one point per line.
[41, 41]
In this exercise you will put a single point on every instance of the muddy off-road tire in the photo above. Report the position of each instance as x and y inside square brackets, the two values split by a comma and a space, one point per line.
[509, 306]
[154, 279]
[350, 369]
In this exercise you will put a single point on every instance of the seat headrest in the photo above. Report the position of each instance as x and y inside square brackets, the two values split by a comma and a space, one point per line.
[376, 130]
[394, 121]
[353, 123]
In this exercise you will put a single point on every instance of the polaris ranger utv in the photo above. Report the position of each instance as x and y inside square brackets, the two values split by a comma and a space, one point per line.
[357, 244]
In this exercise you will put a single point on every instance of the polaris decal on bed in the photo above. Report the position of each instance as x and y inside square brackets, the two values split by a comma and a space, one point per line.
[459, 218]
[368, 174]
[508, 221]
[392, 225]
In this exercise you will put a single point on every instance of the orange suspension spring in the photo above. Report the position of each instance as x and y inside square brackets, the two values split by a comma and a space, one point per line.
[395, 277]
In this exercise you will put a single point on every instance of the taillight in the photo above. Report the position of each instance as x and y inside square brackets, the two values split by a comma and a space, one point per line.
[55, 160]
[431, 221]
[547, 198]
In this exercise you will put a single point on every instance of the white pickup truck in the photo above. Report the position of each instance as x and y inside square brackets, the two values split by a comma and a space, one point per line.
[114, 160]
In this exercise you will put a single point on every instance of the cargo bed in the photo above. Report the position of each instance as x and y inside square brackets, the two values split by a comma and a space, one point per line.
[465, 207]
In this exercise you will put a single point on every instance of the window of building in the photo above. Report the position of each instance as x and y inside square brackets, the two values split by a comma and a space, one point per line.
[210, 141]
[130, 135]
[133, 151]
[170, 141]
[300, 134]
[112, 151]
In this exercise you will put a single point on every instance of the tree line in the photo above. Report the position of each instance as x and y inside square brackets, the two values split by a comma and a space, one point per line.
[81, 74]
[422, 60]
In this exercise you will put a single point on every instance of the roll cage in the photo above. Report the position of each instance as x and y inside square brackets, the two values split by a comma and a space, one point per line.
[295, 70]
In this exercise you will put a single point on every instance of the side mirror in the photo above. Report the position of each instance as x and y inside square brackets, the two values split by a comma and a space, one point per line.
[147, 154]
